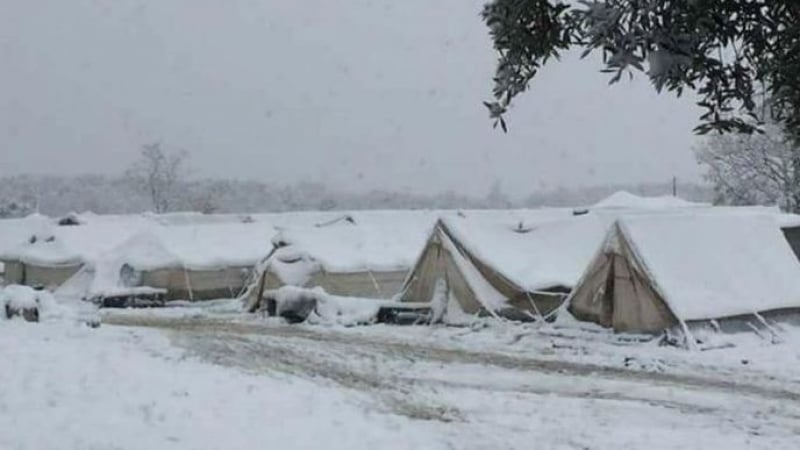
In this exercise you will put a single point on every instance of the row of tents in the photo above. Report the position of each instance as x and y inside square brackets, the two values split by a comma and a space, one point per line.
[635, 266]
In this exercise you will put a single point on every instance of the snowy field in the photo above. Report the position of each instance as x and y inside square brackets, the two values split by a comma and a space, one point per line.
[210, 378]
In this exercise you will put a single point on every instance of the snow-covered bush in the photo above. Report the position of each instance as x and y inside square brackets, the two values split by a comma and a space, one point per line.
[20, 301]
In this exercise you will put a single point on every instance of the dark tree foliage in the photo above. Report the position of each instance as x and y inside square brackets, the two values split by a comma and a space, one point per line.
[732, 53]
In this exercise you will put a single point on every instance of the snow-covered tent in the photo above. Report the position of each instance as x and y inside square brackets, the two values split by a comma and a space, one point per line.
[515, 269]
[44, 260]
[51, 254]
[186, 262]
[626, 200]
[366, 254]
[654, 272]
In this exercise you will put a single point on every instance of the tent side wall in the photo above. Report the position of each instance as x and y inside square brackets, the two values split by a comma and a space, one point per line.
[14, 272]
[592, 298]
[197, 284]
[48, 276]
[420, 283]
[363, 284]
[436, 263]
[617, 293]
[637, 304]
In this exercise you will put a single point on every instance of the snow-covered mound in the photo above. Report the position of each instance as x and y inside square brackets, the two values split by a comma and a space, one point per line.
[49, 308]
[626, 200]
[317, 307]
[19, 297]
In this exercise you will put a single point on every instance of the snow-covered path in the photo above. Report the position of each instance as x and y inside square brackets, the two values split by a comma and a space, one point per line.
[65, 386]
[471, 399]
[153, 381]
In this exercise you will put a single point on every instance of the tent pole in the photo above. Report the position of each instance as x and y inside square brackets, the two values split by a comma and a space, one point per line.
[375, 284]
[688, 337]
[767, 326]
[188, 284]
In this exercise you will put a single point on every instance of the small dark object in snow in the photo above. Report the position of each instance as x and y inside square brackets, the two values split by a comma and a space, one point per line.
[131, 301]
[30, 314]
[70, 220]
[670, 340]
[272, 307]
[745, 362]
[628, 361]
[398, 315]
[516, 315]
[345, 218]
[297, 310]
[94, 323]
[293, 316]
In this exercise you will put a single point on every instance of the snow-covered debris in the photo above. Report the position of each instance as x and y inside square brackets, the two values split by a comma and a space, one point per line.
[36, 305]
[19, 297]
[297, 304]
[345, 311]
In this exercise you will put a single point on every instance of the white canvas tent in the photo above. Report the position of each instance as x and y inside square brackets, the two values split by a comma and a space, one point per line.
[49, 254]
[365, 254]
[519, 269]
[654, 272]
[186, 262]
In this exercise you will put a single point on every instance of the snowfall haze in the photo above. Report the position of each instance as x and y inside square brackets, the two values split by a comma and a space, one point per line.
[361, 95]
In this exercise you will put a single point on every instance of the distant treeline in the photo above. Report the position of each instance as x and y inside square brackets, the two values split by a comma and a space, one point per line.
[57, 195]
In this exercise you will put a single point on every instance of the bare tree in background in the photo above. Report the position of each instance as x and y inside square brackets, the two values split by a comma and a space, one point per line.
[206, 196]
[158, 174]
[755, 169]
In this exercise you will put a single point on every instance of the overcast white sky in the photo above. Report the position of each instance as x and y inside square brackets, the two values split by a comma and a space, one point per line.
[355, 93]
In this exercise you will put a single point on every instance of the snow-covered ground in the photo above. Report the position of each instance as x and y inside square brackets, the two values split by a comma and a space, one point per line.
[192, 378]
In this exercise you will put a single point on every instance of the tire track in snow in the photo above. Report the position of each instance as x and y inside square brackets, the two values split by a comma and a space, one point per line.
[425, 352]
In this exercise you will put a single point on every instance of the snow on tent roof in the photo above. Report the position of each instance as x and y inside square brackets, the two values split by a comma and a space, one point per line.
[197, 218]
[547, 251]
[208, 246]
[374, 240]
[788, 220]
[48, 244]
[715, 265]
[15, 232]
[626, 200]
